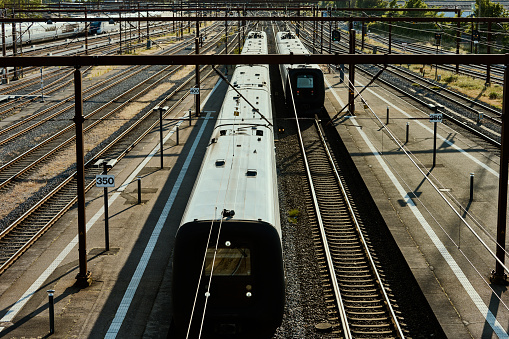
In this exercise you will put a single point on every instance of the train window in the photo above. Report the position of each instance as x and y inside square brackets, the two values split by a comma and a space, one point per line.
[228, 262]
[304, 81]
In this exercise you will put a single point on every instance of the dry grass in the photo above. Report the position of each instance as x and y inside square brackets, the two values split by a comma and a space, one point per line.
[18, 195]
[473, 88]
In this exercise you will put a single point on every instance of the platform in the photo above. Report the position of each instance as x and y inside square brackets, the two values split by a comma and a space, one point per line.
[450, 264]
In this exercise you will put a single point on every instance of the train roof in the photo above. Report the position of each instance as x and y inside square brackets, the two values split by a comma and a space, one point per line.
[256, 43]
[238, 171]
[288, 42]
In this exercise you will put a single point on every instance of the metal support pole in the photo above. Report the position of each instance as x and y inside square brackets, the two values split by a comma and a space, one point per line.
[238, 31]
[161, 135]
[488, 51]
[83, 278]
[387, 119]
[390, 37]
[148, 28]
[314, 30]
[458, 38]
[321, 36]
[106, 216]
[86, 33]
[471, 186]
[190, 120]
[51, 309]
[177, 135]
[42, 88]
[498, 275]
[330, 31]
[226, 35]
[434, 144]
[139, 190]
[407, 132]
[197, 70]
[4, 47]
[363, 27]
[351, 75]
[14, 46]
[120, 30]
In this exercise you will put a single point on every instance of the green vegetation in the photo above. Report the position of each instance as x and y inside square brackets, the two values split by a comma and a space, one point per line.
[293, 215]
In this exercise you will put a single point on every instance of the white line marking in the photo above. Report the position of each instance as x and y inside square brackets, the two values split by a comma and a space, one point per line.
[140, 269]
[474, 296]
[18, 305]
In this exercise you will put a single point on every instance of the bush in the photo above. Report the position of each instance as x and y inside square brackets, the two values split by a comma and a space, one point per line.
[494, 95]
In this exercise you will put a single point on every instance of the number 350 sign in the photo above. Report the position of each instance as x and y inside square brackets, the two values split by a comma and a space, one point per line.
[104, 180]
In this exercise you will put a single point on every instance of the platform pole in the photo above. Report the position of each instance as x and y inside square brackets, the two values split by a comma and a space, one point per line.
[471, 186]
[139, 190]
[83, 278]
[498, 275]
[51, 309]
[434, 144]
[106, 212]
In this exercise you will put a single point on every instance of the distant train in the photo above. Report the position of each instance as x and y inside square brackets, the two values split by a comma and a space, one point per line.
[30, 33]
[101, 27]
[35, 32]
[307, 84]
[227, 264]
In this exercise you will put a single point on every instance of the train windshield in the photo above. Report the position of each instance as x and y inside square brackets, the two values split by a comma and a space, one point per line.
[305, 81]
[228, 262]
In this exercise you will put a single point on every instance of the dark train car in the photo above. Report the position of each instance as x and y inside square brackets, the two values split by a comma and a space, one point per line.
[307, 84]
[228, 277]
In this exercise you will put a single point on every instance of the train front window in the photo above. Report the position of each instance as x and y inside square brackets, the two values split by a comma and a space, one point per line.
[304, 81]
[228, 262]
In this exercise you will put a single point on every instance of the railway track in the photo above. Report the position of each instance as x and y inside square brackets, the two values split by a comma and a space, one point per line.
[21, 234]
[355, 290]
[30, 87]
[457, 108]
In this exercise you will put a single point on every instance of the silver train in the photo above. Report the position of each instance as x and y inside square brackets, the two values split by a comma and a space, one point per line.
[30, 33]
[307, 84]
[227, 263]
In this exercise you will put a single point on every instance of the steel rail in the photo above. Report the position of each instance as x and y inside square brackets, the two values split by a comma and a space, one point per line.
[359, 230]
[88, 128]
[174, 49]
[341, 308]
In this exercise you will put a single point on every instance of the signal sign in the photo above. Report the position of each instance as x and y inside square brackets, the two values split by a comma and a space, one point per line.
[336, 35]
[476, 36]
[435, 117]
[104, 180]
[438, 38]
